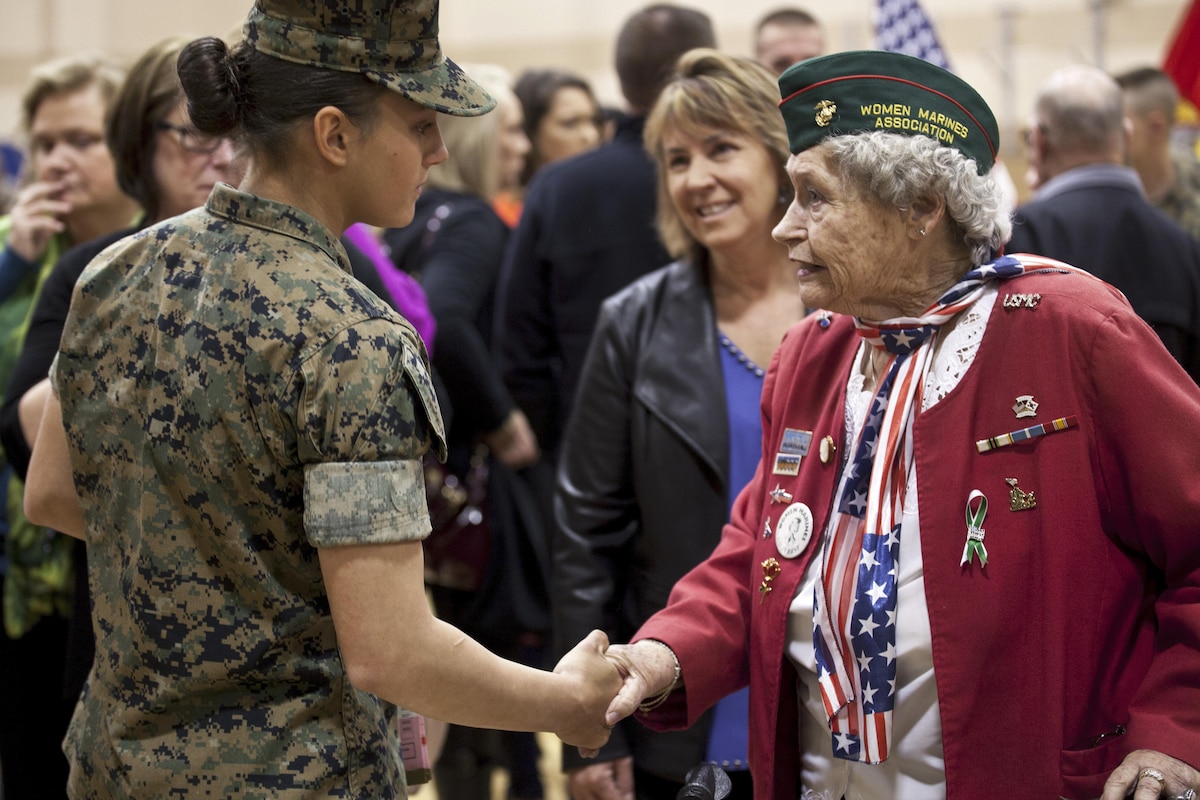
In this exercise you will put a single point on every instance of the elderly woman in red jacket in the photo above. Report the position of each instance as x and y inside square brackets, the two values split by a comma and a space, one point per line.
[968, 564]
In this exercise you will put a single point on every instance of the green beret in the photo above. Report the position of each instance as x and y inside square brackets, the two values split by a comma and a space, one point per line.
[391, 42]
[874, 90]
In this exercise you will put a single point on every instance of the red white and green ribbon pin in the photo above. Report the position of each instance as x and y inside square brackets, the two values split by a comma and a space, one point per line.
[974, 546]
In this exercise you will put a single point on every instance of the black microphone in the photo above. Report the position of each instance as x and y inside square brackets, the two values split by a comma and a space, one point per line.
[705, 782]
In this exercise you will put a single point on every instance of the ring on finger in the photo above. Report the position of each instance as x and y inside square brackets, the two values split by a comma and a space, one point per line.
[1151, 772]
[1190, 794]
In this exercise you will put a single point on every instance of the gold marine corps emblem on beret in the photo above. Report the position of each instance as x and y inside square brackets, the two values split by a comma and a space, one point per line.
[825, 111]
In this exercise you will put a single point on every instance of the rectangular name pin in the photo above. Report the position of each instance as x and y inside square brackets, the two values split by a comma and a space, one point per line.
[795, 442]
[786, 464]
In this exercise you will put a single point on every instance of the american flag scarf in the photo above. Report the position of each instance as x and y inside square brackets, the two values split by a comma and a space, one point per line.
[854, 607]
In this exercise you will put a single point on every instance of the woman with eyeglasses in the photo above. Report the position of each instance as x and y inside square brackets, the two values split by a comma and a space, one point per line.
[161, 162]
[167, 168]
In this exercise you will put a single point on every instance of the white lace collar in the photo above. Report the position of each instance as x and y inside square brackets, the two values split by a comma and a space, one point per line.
[953, 355]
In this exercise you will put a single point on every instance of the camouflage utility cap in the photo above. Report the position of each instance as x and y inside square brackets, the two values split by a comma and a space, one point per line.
[873, 90]
[392, 42]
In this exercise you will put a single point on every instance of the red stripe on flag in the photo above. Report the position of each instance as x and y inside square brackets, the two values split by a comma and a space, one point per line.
[879, 749]
[1182, 61]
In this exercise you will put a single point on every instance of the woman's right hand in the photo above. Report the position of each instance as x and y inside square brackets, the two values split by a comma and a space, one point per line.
[513, 443]
[36, 216]
[647, 668]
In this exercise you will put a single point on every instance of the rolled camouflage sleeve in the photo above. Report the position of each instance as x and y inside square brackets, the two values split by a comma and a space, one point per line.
[366, 417]
[365, 503]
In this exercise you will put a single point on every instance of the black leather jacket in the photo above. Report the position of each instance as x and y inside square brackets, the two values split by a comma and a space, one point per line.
[642, 481]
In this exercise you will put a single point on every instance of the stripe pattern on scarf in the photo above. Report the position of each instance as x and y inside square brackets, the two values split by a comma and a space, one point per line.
[854, 607]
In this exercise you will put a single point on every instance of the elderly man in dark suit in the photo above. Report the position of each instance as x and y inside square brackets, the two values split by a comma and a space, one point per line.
[1090, 209]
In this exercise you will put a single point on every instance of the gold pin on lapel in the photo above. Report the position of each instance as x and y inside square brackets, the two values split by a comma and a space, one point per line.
[828, 448]
[1019, 500]
[770, 569]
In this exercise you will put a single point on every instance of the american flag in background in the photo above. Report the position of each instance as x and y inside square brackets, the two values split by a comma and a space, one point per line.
[902, 27]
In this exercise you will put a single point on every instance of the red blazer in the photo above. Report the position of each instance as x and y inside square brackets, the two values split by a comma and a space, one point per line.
[1086, 620]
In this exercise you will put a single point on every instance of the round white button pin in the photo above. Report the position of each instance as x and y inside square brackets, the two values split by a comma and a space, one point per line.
[794, 529]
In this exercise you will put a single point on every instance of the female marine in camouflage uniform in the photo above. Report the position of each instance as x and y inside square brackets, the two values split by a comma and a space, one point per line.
[244, 425]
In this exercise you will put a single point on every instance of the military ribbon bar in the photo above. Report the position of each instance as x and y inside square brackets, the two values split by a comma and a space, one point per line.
[1033, 431]
[974, 546]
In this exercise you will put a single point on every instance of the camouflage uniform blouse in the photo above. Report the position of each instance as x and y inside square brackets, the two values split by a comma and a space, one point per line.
[234, 400]
[1182, 201]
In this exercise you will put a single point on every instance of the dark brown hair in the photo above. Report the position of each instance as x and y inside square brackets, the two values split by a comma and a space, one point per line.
[536, 89]
[259, 99]
[649, 44]
[148, 95]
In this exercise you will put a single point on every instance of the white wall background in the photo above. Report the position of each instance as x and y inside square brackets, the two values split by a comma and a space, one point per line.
[1002, 47]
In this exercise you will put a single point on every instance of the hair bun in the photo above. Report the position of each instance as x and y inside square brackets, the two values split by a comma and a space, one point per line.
[208, 74]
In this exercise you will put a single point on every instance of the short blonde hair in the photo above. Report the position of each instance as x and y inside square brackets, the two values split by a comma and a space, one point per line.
[713, 90]
[472, 166]
[69, 74]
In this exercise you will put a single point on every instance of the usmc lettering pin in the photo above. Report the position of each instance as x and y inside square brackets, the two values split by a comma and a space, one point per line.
[1022, 300]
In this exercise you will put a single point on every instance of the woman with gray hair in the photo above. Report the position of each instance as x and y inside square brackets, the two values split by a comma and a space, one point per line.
[967, 564]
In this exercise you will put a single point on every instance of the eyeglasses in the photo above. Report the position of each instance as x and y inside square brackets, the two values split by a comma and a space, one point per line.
[191, 139]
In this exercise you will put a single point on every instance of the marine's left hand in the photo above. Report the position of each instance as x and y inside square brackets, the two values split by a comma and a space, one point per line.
[1137, 777]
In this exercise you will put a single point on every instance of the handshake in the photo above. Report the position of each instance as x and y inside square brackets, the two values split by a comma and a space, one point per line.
[609, 682]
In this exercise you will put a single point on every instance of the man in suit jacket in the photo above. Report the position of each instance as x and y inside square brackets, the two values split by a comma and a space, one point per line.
[1090, 210]
[586, 231]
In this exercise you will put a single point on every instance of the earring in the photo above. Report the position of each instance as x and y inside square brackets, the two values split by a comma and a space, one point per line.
[922, 231]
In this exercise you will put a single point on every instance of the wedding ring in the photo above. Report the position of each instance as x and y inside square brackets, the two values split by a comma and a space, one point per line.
[1151, 772]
